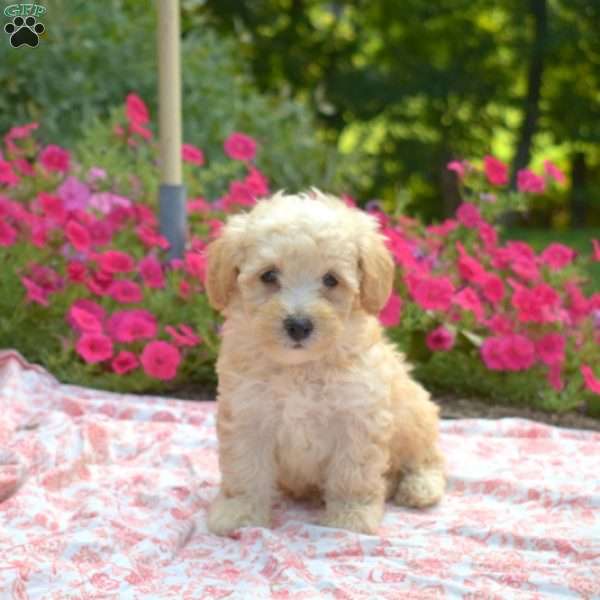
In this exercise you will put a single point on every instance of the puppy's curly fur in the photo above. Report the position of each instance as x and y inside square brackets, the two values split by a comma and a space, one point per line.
[312, 398]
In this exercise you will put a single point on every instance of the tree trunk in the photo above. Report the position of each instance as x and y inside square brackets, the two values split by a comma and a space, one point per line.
[539, 10]
[578, 185]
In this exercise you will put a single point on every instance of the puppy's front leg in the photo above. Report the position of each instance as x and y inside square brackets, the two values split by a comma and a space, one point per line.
[355, 486]
[246, 458]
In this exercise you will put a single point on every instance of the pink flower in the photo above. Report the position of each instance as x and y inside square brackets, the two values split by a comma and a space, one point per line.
[74, 193]
[469, 268]
[429, 292]
[54, 158]
[390, 314]
[555, 377]
[557, 256]
[124, 362]
[554, 172]
[258, 185]
[458, 167]
[90, 307]
[96, 174]
[52, 207]
[492, 288]
[346, 198]
[151, 238]
[18, 133]
[143, 132]
[198, 205]
[468, 214]
[240, 147]
[183, 335]
[240, 194]
[114, 261]
[468, 299]
[500, 325]
[83, 320]
[160, 360]
[551, 349]
[443, 229]
[100, 283]
[24, 167]
[508, 353]
[76, 271]
[131, 325]
[7, 175]
[94, 347]
[400, 248]
[495, 171]
[35, 293]
[185, 289]
[127, 292]
[192, 155]
[152, 273]
[528, 181]
[105, 202]
[8, 235]
[591, 382]
[440, 339]
[537, 305]
[195, 265]
[78, 236]
[135, 110]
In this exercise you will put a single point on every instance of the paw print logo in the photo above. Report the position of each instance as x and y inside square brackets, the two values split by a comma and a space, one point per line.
[24, 31]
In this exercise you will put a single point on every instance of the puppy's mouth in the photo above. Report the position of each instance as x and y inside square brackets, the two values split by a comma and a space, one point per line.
[298, 346]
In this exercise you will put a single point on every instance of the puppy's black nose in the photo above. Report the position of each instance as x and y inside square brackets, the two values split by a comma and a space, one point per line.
[298, 328]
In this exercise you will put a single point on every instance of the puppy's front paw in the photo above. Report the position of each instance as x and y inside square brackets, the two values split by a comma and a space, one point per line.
[362, 518]
[228, 514]
[421, 488]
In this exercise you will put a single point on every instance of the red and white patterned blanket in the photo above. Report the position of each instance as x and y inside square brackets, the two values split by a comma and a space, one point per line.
[105, 496]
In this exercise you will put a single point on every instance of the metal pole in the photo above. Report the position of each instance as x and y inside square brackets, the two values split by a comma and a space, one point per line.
[172, 209]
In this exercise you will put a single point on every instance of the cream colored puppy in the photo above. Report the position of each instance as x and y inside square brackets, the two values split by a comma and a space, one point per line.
[312, 398]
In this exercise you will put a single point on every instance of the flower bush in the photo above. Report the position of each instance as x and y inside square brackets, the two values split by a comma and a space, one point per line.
[87, 291]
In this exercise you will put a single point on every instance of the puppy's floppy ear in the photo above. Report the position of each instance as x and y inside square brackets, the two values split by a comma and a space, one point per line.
[222, 266]
[377, 269]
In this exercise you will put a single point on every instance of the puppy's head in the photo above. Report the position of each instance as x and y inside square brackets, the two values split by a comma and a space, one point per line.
[295, 269]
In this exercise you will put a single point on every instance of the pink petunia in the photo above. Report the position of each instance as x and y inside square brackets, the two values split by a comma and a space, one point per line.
[444, 228]
[7, 175]
[551, 349]
[83, 320]
[495, 171]
[492, 288]
[74, 193]
[400, 247]
[160, 360]
[468, 214]
[78, 236]
[240, 147]
[469, 268]
[239, 194]
[151, 238]
[537, 305]
[430, 292]
[390, 314]
[136, 110]
[18, 133]
[458, 167]
[192, 155]
[500, 324]
[198, 206]
[554, 172]
[528, 181]
[52, 207]
[76, 271]
[258, 185]
[143, 132]
[8, 234]
[131, 325]
[125, 291]
[100, 283]
[195, 265]
[35, 293]
[89, 306]
[440, 340]
[557, 256]
[152, 272]
[185, 289]
[24, 167]
[511, 352]
[183, 335]
[54, 158]
[468, 300]
[591, 382]
[124, 362]
[94, 347]
[346, 198]
[115, 261]
[492, 353]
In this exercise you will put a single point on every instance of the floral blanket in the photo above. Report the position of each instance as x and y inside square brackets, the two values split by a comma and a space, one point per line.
[105, 496]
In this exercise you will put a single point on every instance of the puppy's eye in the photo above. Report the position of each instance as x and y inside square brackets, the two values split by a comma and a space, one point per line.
[329, 280]
[269, 276]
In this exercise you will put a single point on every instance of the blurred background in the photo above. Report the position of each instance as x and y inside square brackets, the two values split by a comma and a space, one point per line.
[372, 98]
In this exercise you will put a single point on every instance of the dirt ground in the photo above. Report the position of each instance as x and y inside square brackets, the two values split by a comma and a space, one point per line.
[453, 407]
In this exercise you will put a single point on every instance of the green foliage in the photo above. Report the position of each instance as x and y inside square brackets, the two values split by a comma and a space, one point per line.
[93, 54]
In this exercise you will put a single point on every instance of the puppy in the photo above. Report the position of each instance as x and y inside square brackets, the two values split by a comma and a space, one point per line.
[312, 399]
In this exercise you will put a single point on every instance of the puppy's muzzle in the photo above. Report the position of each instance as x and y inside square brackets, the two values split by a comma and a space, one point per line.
[298, 328]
